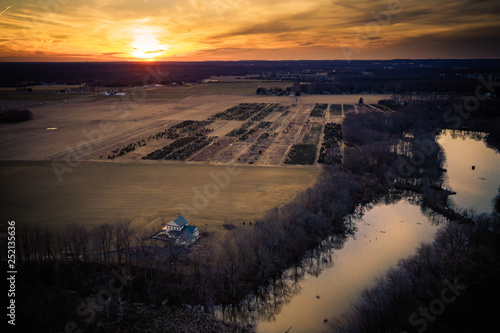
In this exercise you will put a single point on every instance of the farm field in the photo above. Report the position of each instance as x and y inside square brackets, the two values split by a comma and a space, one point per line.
[57, 128]
[47, 93]
[222, 88]
[102, 127]
[100, 192]
[43, 97]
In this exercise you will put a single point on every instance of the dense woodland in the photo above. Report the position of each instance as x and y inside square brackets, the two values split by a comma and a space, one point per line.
[66, 268]
[15, 116]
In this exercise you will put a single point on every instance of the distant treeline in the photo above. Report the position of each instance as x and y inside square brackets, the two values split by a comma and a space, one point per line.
[486, 119]
[15, 116]
[388, 85]
[274, 91]
[385, 75]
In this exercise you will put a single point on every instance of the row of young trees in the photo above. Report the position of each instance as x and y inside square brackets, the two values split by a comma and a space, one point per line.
[301, 153]
[331, 147]
[242, 111]
[163, 152]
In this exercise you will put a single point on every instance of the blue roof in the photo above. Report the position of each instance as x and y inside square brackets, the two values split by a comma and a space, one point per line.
[190, 229]
[180, 221]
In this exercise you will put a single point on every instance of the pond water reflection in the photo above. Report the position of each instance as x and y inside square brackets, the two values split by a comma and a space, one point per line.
[386, 233]
[473, 169]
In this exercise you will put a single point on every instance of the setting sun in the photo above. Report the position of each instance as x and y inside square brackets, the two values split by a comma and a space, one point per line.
[146, 44]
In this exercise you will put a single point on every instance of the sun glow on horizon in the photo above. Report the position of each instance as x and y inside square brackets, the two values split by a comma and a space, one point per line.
[146, 44]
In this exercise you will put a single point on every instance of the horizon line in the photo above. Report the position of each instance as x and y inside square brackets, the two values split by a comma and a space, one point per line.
[251, 60]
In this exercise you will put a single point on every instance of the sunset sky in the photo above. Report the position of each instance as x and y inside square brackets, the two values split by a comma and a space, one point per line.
[198, 30]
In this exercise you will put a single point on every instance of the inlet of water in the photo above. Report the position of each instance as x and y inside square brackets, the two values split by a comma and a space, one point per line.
[385, 234]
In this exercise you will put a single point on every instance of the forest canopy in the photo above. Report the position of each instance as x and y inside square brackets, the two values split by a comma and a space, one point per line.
[15, 116]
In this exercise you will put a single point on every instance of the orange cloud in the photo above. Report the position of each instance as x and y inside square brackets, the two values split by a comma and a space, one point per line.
[111, 30]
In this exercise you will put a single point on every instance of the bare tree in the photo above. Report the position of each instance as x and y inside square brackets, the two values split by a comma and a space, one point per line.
[146, 250]
[104, 239]
[47, 243]
[123, 238]
[77, 238]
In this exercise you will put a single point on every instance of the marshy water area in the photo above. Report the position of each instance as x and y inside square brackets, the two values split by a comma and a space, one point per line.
[473, 169]
[333, 276]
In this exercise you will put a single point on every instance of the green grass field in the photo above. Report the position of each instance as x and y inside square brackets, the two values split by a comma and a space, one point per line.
[96, 193]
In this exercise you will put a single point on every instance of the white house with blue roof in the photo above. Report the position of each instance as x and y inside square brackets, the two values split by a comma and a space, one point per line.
[179, 230]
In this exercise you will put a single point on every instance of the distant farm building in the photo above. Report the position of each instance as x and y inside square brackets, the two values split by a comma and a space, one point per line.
[180, 231]
[114, 93]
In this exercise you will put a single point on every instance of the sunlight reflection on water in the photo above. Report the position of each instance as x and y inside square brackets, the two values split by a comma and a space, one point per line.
[385, 234]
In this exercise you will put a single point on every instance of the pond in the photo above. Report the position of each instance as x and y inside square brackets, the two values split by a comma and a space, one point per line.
[473, 169]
